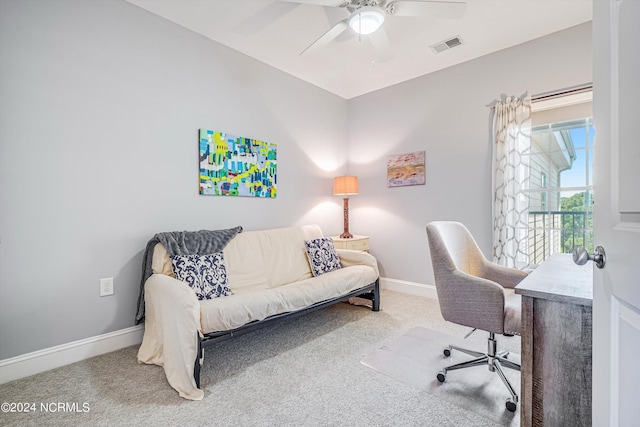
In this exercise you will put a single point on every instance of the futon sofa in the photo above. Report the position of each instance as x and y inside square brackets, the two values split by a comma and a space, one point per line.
[260, 277]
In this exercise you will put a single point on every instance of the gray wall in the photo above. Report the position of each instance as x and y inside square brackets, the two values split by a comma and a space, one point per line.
[446, 115]
[99, 109]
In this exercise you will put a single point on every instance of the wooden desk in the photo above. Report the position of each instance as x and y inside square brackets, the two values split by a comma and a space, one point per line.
[556, 344]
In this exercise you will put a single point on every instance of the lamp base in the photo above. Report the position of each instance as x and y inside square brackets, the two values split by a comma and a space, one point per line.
[345, 210]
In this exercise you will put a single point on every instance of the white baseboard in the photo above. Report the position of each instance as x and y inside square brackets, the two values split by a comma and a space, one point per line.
[411, 288]
[50, 358]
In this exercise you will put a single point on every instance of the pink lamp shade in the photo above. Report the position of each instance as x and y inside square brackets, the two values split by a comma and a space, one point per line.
[345, 186]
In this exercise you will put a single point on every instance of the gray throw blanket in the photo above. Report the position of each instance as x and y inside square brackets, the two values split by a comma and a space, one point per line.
[202, 242]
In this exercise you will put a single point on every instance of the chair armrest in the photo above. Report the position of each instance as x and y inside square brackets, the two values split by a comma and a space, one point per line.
[171, 328]
[350, 257]
[505, 276]
[472, 301]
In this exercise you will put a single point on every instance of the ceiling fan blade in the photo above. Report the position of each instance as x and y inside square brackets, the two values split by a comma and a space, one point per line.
[426, 8]
[335, 14]
[265, 17]
[332, 3]
[326, 38]
[381, 45]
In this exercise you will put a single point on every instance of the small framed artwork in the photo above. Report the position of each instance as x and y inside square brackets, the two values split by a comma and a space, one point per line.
[406, 169]
[237, 166]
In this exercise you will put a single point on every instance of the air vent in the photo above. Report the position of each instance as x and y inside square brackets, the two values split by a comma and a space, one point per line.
[447, 44]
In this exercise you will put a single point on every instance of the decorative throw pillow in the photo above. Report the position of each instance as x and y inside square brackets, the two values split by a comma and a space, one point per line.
[205, 274]
[322, 255]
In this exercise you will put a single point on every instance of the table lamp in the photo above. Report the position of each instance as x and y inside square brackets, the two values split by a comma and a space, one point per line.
[345, 186]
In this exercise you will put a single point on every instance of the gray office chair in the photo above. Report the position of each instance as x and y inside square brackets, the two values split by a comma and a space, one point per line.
[476, 293]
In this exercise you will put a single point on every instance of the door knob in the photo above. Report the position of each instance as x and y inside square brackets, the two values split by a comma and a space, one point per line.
[581, 256]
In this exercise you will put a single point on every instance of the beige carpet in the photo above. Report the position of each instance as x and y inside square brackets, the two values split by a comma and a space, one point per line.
[415, 358]
[305, 372]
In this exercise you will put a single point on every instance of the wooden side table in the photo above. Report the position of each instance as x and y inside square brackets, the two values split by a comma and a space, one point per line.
[357, 243]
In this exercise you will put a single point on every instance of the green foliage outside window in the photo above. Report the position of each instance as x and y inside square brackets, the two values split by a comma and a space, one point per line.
[576, 229]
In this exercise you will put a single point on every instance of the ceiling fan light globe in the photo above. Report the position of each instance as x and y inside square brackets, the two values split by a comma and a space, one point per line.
[366, 21]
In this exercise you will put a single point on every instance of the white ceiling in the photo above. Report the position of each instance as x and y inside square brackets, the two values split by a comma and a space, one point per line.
[347, 66]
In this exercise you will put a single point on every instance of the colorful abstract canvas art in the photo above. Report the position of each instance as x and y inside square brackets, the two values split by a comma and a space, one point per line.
[236, 166]
[406, 169]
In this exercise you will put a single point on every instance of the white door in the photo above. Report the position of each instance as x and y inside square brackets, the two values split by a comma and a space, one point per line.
[616, 292]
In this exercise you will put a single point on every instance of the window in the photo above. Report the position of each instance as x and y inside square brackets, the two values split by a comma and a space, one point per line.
[542, 179]
[561, 188]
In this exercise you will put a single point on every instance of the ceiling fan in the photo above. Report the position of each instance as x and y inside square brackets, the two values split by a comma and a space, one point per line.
[367, 16]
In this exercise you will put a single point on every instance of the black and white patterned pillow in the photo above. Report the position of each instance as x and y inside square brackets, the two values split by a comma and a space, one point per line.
[322, 255]
[205, 274]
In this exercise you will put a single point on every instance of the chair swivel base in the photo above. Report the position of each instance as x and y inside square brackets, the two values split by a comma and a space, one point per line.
[493, 359]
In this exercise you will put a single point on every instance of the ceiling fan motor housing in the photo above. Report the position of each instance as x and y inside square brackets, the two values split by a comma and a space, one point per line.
[366, 20]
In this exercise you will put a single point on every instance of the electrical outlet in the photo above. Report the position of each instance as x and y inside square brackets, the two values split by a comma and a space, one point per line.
[106, 286]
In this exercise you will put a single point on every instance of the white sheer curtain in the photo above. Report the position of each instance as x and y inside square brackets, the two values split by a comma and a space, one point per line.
[512, 146]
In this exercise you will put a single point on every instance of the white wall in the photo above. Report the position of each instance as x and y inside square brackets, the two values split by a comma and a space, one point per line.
[100, 108]
[446, 115]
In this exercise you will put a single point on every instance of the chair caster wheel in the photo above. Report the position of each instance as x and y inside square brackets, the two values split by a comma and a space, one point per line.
[511, 405]
[447, 352]
[441, 376]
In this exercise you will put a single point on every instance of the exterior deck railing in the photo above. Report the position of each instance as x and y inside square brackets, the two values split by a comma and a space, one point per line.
[558, 232]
